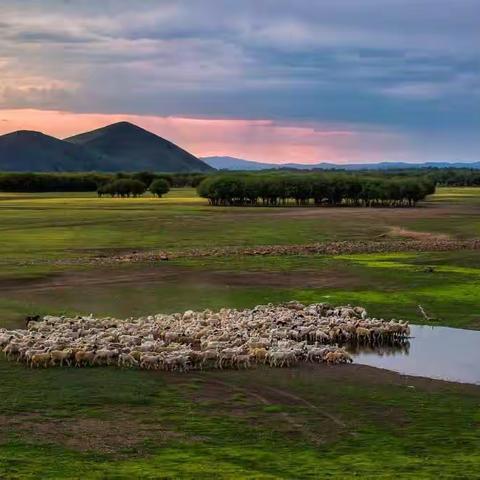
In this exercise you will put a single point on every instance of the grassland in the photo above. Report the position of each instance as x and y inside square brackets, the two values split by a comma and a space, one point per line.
[342, 422]
[46, 226]
[36, 229]
[265, 424]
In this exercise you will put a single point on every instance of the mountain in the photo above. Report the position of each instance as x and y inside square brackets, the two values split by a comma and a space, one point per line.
[232, 163]
[131, 148]
[28, 151]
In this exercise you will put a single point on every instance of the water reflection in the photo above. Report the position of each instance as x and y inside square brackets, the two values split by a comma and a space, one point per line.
[435, 352]
[380, 350]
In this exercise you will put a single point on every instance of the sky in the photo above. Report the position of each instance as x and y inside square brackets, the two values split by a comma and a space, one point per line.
[305, 81]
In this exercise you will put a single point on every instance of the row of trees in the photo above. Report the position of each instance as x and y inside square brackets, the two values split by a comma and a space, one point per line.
[129, 187]
[88, 182]
[453, 177]
[314, 189]
[52, 182]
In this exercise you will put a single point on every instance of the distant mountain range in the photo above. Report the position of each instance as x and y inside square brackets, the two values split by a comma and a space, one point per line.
[117, 147]
[232, 163]
[126, 147]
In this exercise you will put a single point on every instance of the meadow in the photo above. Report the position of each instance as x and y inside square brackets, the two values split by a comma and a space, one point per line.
[309, 422]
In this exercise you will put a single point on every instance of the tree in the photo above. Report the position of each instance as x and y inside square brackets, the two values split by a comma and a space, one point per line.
[137, 187]
[159, 187]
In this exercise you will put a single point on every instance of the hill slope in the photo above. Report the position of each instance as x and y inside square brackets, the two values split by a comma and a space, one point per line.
[131, 148]
[29, 151]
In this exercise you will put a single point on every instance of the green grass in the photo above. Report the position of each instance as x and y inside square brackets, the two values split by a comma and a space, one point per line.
[389, 285]
[391, 429]
[61, 225]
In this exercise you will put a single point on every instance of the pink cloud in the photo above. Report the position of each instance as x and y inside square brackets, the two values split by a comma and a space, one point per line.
[261, 140]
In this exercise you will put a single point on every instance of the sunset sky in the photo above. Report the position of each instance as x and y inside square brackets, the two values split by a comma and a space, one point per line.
[268, 80]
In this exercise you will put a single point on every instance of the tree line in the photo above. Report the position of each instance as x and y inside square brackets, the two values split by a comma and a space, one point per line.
[447, 177]
[456, 177]
[89, 182]
[314, 189]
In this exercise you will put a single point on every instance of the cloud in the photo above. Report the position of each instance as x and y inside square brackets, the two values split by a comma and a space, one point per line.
[399, 65]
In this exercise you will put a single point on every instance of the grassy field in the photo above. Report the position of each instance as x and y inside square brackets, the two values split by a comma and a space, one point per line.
[42, 228]
[55, 225]
[389, 285]
[340, 422]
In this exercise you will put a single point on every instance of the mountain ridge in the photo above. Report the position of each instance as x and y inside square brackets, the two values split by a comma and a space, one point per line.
[234, 163]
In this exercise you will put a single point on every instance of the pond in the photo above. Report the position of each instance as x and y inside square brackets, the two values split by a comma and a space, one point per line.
[434, 352]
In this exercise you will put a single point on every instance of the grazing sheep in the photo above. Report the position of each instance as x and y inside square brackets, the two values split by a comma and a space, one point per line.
[259, 354]
[150, 362]
[60, 357]
[11, 350]
[40, 359]
[127, 360]
[242, 361]
[83, 358]
[103, 357]
[275, 335]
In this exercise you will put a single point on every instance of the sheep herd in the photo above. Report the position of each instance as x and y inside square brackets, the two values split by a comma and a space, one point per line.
[275, 335]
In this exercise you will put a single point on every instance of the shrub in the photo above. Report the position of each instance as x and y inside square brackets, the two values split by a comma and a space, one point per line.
[159, 187]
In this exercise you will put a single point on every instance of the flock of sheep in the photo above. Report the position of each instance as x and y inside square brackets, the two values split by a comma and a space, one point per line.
[275, 335]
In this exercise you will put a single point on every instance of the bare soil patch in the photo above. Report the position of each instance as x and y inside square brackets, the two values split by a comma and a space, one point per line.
[377, 214]
[413, 235]
[85, 434]
[166, 274]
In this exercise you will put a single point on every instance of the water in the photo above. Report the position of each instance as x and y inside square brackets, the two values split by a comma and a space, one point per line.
[434, 352]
